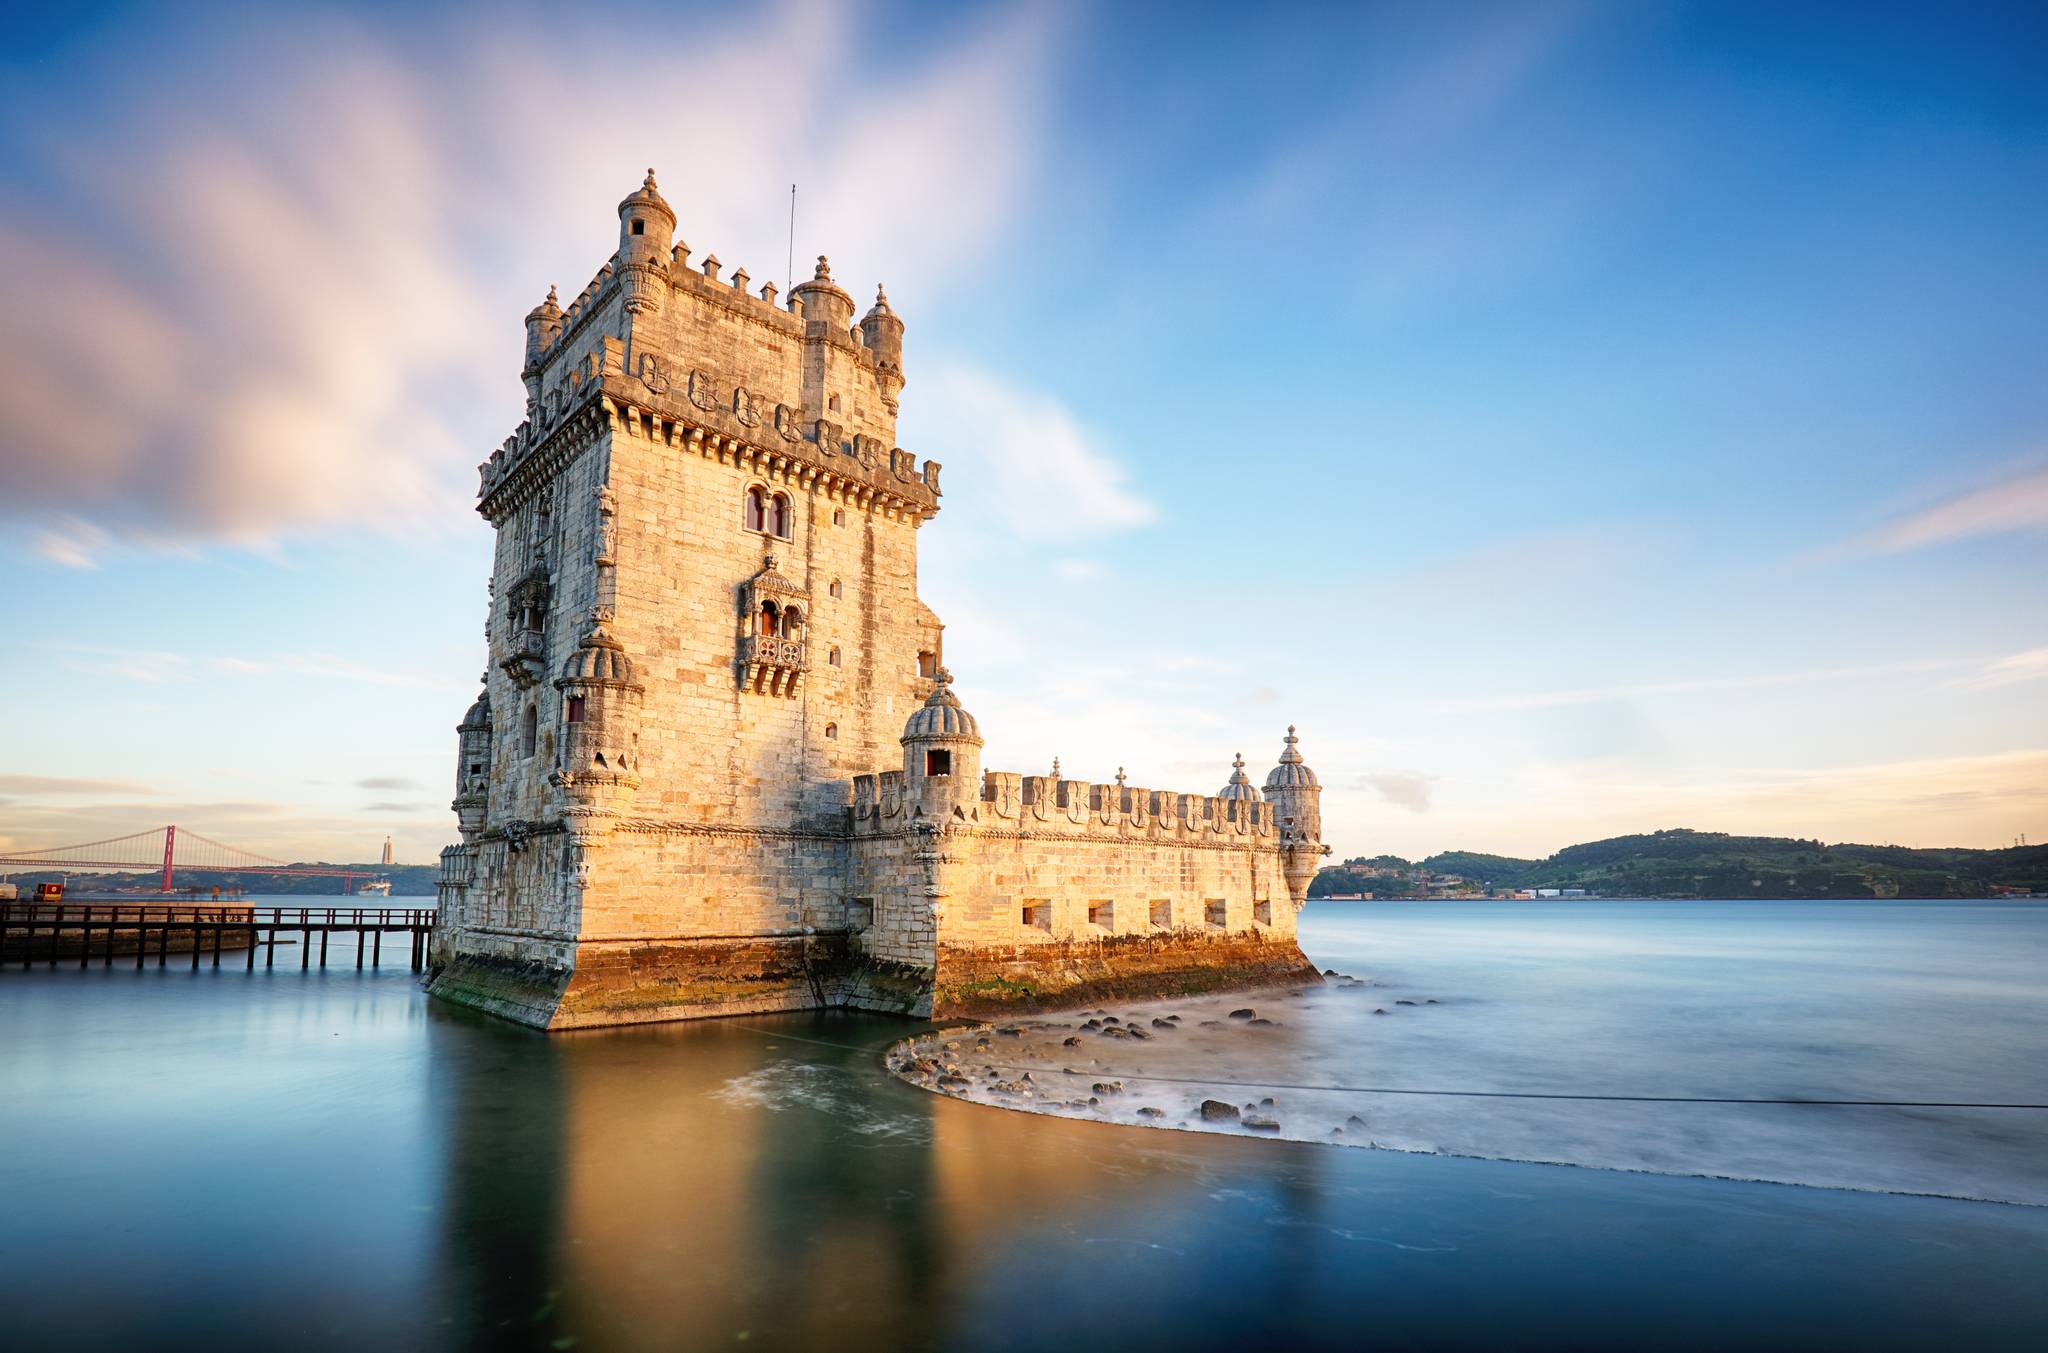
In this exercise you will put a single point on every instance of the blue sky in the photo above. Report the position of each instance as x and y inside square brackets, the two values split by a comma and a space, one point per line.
[1577, 418]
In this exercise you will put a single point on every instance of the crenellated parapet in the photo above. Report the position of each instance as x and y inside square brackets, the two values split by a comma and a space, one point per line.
[701, 414]
[1045, 805]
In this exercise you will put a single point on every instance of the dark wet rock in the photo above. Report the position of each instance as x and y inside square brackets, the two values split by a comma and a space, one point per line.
[1174, 1018]
[1011, 1033]
[1094, 1103]
[1380, 1011]
[1149, 1112]
[1108, 1087]
[1262, 1020]
[1354, 1121]
[1093, 1024]
[1336, 1132]
[1430, 1001]
[1266, 1103]
[1329, 972]
[1162, 1024]
[1261, 1123]
[1111, 1019]
[1244, 1014]
[1216, 1111]
[1071, 1041]
[1115, 1031]
[1025, 1077]
[1404, 1002]
[1212, 1024]
[1136, 1032]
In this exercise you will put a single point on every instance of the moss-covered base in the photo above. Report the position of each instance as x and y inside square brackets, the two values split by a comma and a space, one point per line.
[633, 983]
[988, 982]
[525, 991]
[686, 979]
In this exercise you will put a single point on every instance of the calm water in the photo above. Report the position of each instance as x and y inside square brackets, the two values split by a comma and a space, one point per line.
[326, 1159]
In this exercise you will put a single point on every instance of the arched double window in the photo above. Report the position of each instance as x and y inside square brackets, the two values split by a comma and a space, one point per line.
[769, 623]
[768, 513]
[792, 623]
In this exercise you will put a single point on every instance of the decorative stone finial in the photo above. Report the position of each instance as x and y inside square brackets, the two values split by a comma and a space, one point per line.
[944, 676]
[824, 272]
[1120, 775]
[551, 295]
[1055, 768]
[648, 183]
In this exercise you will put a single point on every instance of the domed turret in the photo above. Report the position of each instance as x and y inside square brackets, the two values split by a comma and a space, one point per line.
[1292, 772]
[942, 751]
[1296, 796]
[1240, 786]
[543, 325]
[646, 228]
[824, 303]
[597, 768]
[473, 768]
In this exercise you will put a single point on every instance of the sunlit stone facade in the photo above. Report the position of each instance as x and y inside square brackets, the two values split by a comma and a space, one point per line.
[717, 765]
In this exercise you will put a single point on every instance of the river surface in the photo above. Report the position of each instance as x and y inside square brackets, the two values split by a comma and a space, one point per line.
[328, 1160]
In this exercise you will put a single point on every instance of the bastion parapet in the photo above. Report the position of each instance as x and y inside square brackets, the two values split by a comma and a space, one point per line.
[718, 765]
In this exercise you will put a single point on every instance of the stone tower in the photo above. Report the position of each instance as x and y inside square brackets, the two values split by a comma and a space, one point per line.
[717, 764]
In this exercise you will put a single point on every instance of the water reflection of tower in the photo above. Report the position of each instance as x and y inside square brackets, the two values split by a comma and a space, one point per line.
[387, 852]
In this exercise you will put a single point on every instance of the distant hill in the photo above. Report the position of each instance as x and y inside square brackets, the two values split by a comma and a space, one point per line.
[407, 880]
[1682, 863]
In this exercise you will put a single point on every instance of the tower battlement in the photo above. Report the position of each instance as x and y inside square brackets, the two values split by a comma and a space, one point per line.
[718, 764]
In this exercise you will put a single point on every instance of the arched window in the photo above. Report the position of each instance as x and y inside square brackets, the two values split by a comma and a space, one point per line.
[755, 514]
[835, 587]
[834, 659]
[792, 623]
[839, 516]
[778, 516]
[529, 731]
[832, 731]
[768, 625]
[575, 710]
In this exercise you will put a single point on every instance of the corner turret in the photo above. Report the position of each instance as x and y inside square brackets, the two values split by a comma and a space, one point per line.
[598, 770]
[543, 326]
[1296, 796]
[473, 768]
[647, 227]
[942, 753]
[881, 333]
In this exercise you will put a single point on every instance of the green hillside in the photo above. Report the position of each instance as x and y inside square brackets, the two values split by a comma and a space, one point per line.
[1682, 863]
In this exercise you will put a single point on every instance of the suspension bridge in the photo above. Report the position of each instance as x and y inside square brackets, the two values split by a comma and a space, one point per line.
[171, 850]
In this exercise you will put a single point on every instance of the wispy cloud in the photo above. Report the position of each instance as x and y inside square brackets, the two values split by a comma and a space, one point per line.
[1031, 466]
[1403, 788]
[2016, 503]
[360, 213]
[55, 784]
[2031, 665]
[327, 666]
[388, 782]
[1588, 695]
[151, 666]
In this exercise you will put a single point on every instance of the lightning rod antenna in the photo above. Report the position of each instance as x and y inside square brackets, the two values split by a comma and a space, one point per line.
[789, 263]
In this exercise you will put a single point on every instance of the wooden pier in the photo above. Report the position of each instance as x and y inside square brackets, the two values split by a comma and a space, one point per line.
[47, 932]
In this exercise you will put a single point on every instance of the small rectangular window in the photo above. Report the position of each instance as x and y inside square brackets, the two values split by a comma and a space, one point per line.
[1102, 914]
[938, 762]
[1263, 913]
[1162, 914]
[1216, 913]
[575, 709]
[1038, 915]
[860, 913]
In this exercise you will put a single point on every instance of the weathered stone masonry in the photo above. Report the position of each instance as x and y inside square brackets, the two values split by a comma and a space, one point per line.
[717, 765]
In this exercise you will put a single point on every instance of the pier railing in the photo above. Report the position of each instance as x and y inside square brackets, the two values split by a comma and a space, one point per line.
[47, 931]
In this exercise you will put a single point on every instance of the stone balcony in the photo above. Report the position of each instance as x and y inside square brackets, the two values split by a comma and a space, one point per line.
[771, 665]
